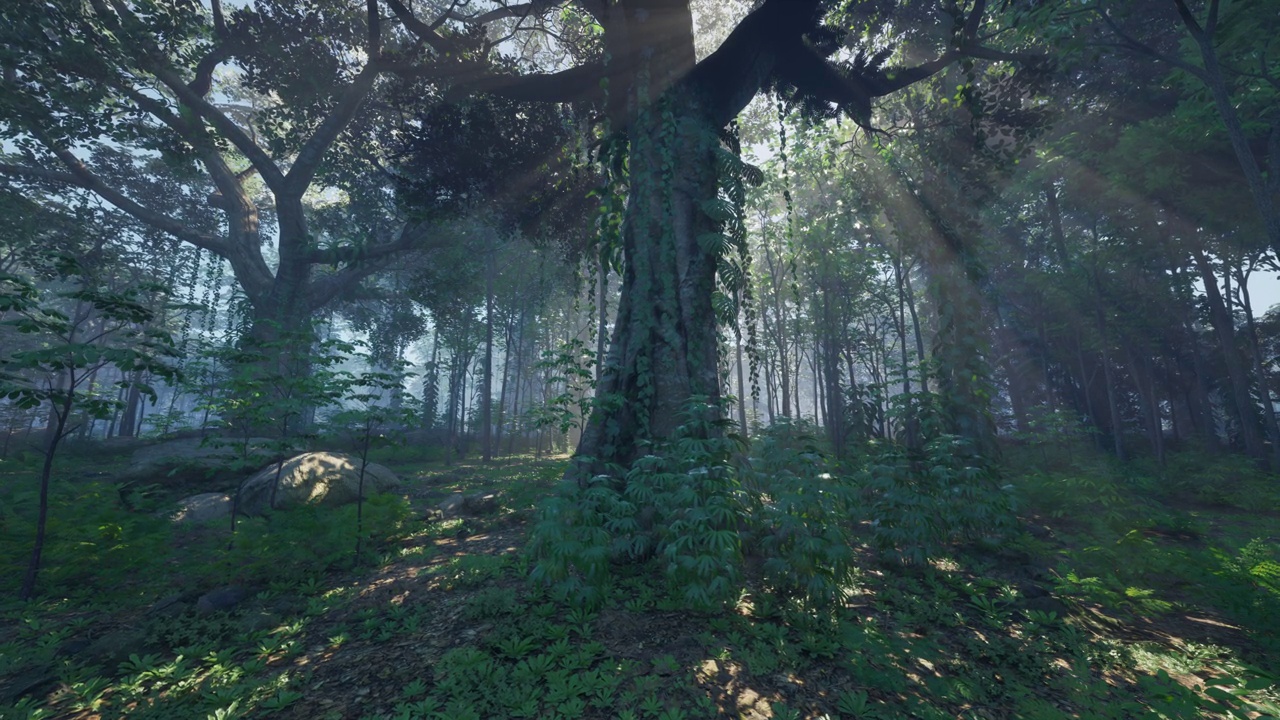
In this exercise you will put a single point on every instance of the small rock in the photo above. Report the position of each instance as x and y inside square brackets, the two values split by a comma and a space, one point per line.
[202, 508]
[452, 505]
[788, 685]
[260, 620]
[28, 683]
[224, 598]
[480, 504]
[1031, 592]
[113, 648]
[73, 647]
[1046, 604]
[169, 606]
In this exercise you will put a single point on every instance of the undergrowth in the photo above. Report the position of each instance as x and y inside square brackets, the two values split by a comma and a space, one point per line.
[711, 579]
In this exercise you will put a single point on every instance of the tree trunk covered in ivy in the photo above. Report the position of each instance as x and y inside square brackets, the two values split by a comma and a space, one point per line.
[650, 86]
[664, 348]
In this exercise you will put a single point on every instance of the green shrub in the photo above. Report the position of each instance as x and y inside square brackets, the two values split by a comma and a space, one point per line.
[297, 543]
[798, 515]
[678, 505]
[96, 547]
[921, 502]
[690, 510]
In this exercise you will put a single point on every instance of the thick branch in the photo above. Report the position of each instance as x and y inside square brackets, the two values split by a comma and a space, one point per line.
[256, 156]
[1131, 44]
[576, 84]
[732, 75]
[895, 80]
[309, 157]
[357, 264]
[219, 22]
[422, 31]
[519, 10]
[375, 29]
[227, 181]
[82, 177]
[1189, 19]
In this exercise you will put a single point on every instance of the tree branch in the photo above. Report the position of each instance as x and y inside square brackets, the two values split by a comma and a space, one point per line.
[375, 30]
[1133, 45]
[358, 265]
[575, 84]
[261, 161]
[422, 31]
[520, 10]
[305, 165]
[219, 22]
[82, 177]
[226, 180]
[1189, 19]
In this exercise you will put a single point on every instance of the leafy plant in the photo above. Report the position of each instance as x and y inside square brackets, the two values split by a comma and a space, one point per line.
[102, 328]
[376, 401]
[922, 501]
[678, 505]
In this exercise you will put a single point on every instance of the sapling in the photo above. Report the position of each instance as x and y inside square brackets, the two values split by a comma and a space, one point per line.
[103, 329]
[278, 397]
[364, 422]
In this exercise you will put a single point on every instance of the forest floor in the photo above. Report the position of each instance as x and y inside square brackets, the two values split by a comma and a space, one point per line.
[1134, 591]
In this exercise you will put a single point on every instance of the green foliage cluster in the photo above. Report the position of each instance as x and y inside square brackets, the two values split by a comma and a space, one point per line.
[106, 542]
[1133, 545]
[99, 534]
[710, 513]
[800, 516]
[924, 500]
[679, 503]
[303, 541]
[569, 368]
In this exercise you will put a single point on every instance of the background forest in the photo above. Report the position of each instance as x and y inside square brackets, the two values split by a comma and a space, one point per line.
[659, 358]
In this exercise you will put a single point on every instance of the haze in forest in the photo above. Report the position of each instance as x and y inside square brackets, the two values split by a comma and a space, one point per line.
[639, 358]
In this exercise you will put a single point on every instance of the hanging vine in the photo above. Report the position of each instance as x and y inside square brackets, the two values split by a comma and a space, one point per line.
[735, 175]
[787, 200]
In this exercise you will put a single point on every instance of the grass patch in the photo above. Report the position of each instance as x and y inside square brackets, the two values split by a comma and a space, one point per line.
[1131, 595]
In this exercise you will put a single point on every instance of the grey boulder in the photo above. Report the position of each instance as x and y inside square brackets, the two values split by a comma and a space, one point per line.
[319, 478]
[202, 508]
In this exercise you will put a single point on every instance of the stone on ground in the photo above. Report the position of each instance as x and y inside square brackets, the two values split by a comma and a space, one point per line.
[202, 508]
[475, 504]
[313, 478]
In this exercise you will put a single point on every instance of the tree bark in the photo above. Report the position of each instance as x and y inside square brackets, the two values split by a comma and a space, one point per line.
[663, 351]
[1268, 404]
[486, 392]
[1224, 326]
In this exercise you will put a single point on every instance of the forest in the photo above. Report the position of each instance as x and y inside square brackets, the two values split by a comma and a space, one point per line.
[640, 359]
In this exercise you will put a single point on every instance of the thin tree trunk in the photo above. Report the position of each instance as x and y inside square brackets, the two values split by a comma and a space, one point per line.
[1108, 377]
[486, 393]
[53, 436]
[1261, 188]
[742, 388]
[915, 328]
[1224, 326]
[1268, 405]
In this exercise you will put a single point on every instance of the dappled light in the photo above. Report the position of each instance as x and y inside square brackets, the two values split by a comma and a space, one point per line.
[649, 360]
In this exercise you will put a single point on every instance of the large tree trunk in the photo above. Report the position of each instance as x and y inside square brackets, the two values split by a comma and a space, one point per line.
[664, 346]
